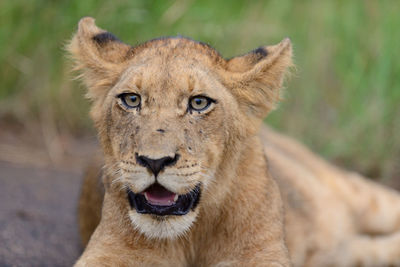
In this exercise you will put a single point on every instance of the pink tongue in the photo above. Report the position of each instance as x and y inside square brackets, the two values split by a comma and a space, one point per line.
[158, 195]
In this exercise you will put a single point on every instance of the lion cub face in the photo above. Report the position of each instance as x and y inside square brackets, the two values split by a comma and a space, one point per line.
[172, 115]
[167, 129]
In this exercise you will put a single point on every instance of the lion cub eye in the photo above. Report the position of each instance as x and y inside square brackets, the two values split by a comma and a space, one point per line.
[130, 100]
[200, 103]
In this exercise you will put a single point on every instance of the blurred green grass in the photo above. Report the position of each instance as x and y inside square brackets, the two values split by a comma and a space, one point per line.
[343, 100]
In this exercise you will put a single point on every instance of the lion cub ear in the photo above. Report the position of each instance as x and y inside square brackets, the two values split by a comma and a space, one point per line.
[255, 78]
[98, 55]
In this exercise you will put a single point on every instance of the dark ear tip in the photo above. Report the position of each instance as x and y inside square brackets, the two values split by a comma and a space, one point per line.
[105, 37]
[261, 52]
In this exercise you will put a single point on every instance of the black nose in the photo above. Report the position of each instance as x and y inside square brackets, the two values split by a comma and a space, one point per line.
[156, 165]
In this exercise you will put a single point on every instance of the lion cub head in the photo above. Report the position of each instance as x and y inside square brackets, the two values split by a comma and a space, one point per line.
[172, 117]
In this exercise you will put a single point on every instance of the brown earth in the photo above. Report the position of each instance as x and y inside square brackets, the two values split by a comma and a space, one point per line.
[38, 224]
[39, 188]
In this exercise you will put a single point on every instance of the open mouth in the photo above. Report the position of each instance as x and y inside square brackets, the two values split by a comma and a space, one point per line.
[158, 200]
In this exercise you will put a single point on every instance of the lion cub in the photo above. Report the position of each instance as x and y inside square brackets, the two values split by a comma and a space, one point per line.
[185, 179]
[185, 176]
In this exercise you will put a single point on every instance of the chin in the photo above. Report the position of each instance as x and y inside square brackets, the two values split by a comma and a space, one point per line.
[162, 227]
[159, 213]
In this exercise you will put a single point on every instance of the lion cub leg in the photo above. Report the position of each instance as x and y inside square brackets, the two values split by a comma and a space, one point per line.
[364, 251]
[376, 208]
[90, 201]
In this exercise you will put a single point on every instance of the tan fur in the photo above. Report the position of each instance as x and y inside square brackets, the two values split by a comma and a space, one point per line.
[333, 217]
[239, 221]
[91, 200]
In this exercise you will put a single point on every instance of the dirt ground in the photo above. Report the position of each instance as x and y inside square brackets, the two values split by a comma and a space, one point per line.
[38, 225]
[39, 188]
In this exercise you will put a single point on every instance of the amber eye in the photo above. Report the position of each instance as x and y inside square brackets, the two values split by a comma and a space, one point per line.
[199, 103]
[130, 100]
